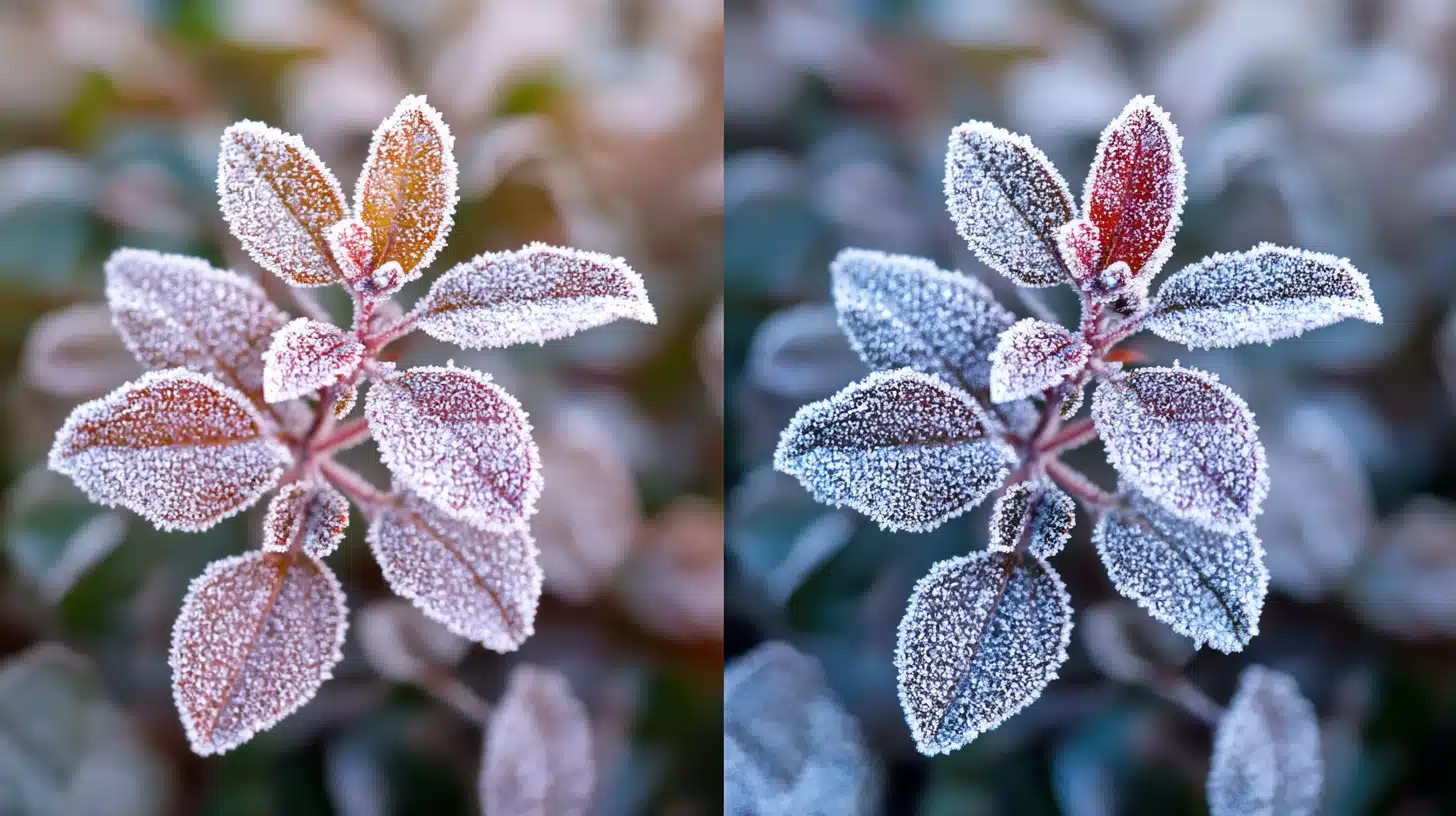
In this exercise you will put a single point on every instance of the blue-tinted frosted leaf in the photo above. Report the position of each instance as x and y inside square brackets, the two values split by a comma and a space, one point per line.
[1186, 441]
[903, 311]
[982, 636]
[1036, 509]
[1266, 751]
[903, 448]
[1033, 356]
[1207, 585]
[538, 749]
[1266, 294]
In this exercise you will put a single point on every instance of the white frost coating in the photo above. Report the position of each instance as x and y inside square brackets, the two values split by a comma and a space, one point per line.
[307, 355]
[902, 447]
[1207, 585]
[1008, 201]
[899, 310]
[257, 635]
[537, 758]
[279, 199]
[481, 585]
[1080, 244]
[1053, 514]
[531, 295]
[352, 246]
[313, 514]
[175, 446]
[1032, 357]
[789, 747]
[459, 440]
[1186, 441]
[982, 635]
[1268, 293]
[406, 200]
[1266, 751]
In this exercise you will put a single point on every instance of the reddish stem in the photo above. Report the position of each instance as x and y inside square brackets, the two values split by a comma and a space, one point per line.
[1080, 487]
[1070, 437]
[344, 437]
[356, 487]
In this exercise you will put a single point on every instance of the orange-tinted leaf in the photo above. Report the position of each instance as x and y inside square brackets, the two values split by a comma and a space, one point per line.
[538, 749]
[257, 635]
[406, 194]
[307, 355]
[311, 513]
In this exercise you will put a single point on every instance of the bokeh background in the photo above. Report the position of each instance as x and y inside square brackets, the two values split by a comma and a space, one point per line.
[1325, 124]
[585, 122]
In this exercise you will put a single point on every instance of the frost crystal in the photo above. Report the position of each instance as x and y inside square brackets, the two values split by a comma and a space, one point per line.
[175, 446]
[459, 440]
[1266, 294]
[352, 247]
[481, 585]
[902, 447]
[1080, 244]
[1266, 752]
[531, 295]
[982, 636]
[1008, 202]
[312, 514]
[1032, 357]
[1134, 191]
[279, 200]
[1036, 509]
[346, 401]
[406, 192]
[538, 749]
[1207, 585]
[257, 635]
[307, 355]
[1186, 441]
[900, 311]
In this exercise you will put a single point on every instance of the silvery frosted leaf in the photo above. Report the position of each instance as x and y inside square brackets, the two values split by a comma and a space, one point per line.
[1207, 585]
[481, 585]
[402, 644]
[1266, 294]
[1129, 646]
[279, 200]
[346, 401]
[531, 295]
[457, 439]
[75, 352]
[902, 447]
[1403, 584]
[406, 191]
[982, 635]
[257, 635]
[1185, 440]
[352, 247]
[1007, 201]
[1135, 190]
[538, 758]
[310, 515]
[901, 311]
[1032, 357]
[307, 355]
[1038, 510]
[1266, 750]
[175, 446]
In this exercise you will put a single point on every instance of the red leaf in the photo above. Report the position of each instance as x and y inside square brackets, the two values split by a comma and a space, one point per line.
[312, 514]
[1134, 192]
[307, 355]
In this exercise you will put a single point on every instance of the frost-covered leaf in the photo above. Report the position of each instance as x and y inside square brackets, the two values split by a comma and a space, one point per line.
[538, 749]
[1266, 294]
[1185, 440]
[406, 192]
[1266, 750]
[1134, 191]
[531, 295]
[1008, 202]
[982, 635]
[257, 635]
[481, 585]
[352, 246]
[1039, 510]
[1080, 244]
[279, 200]
[789, 747]
[900, 311]
[312, 515]
[346, 401]
[457, 439]
[902, 447]
[1207, 585]
[75, 352]
[175, 446]
[800, 354]
[402, 643]
[307, 355]
[1032, 357]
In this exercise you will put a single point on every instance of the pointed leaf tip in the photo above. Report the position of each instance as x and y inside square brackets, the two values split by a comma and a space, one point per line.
[406, 194]
[1135, 190]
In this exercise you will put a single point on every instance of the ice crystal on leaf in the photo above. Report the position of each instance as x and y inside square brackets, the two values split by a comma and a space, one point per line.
[982, 636]
[1268, 293]
[1266, 752]
[407, 191]
[311, 515]
[531, 295]
[1134, 192]
[1207, 585]
[1032, 357]
[257, 635]
[307, 355]
[346, 401]
[538, 749]
[1038, 511]
[1080, 244]
[1186, 441]
[175, 446]
[902, 447]
[352, 247]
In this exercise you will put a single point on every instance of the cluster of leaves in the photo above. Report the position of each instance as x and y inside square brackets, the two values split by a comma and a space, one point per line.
[241, 399]
[965, 400]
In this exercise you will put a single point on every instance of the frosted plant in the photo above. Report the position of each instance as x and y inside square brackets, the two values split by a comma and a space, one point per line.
[243, 400]
[966, 400]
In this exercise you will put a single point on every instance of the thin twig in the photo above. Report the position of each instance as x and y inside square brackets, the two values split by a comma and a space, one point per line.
[346, 436]
[356, 487]
[1070, 437]
[1080, 487]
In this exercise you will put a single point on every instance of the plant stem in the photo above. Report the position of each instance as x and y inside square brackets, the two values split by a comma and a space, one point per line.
[1180, 691]
[1070, 437]
[344, 437]
[356, 487]
[1080, 487]
[447, 688]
